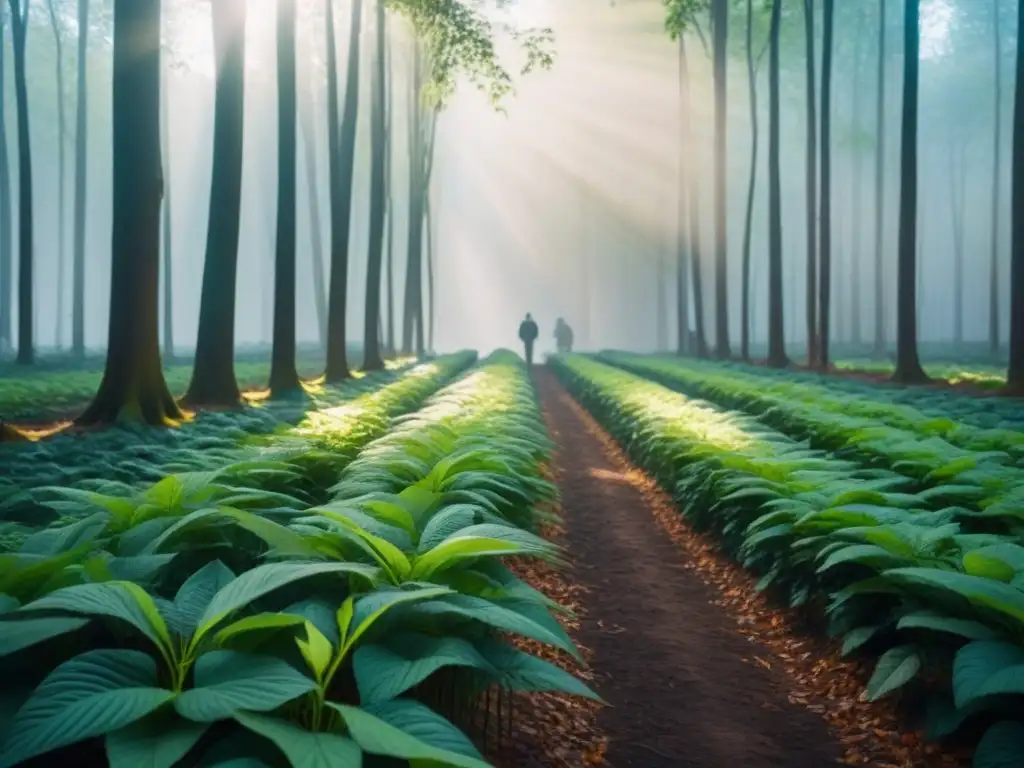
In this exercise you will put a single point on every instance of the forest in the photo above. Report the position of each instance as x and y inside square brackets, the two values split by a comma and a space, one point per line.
[282, 485]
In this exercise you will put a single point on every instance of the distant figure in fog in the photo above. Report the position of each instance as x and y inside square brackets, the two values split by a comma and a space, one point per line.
[563, 336]
[528, 335]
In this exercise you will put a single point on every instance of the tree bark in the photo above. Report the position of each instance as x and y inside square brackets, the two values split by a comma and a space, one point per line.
[908, 366]
[682, 267]
[19, 38]
[6, 216]
[81, 159]
[61, 170]
[213, 375]
[429, 226]
[284, 379]
[879, 345]
[1015, 371]
[168, 273]
[825, 248]
[372, 358]
[694, 201]
[342, 148]
[997, 165]
[720, 9]
[776, 314]
[856, 196]
[133, 386]
[958, 201]
[308, 120]
[389, 343]
[812, 190]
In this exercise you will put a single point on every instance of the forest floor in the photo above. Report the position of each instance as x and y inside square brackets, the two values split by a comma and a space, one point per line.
[697, 669]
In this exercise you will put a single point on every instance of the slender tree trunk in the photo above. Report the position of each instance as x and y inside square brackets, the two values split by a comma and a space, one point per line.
[776, 312]
[958, 200]
[997, 165]
[856, 195]
[812, 189]
[284, 379]
[694, 200]
[372, 358]
[308, 118]
[720, 9]
[429, 224]
[682, 267]
[168, 272]
[133, 386]
[58, 43]
[825, 249]
[751, 186]
[6, 216]
[342, 148]
[81, 148]
[389, 183]
[879, 345]
[213, 375]
[1015, 372]
[908, 366]
[19, 37]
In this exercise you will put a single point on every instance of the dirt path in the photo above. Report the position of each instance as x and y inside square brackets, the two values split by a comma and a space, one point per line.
[681, 681]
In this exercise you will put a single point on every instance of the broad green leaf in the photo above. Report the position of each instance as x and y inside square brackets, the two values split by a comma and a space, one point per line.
[264, 579]
[18, 634]
[116, 599]
[972, 630]
[199, 515]
[520, 671]
[451, 551]
[976, 563]
[404, 660]
[255, 623]
[380, 549]
[316, 650]
[302, 748]
[282, 540]
[855, 638]
[157, 741]
[895, 668]
[1001, 746]
[198, 590]
[93, 694]
[371, 607]
[227, 682]
[991, 594]
[986, 668]
[409, 731]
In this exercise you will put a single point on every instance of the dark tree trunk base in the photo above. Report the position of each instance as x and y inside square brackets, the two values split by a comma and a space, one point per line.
[122, 401]
[778, 362]
[220, 396]
[911, 375]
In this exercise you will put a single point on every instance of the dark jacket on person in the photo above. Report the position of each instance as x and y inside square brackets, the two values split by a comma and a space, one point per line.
[528, 331]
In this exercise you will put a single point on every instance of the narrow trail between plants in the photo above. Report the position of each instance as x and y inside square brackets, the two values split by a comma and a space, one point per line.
[684, 687]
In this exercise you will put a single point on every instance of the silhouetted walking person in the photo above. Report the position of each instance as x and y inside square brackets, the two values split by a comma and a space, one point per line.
[528, 334]
[563, 336]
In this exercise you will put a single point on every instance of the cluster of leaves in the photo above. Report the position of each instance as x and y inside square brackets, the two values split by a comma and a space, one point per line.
[220, 619]
[895, 576]
[113, 462]
[46, 394]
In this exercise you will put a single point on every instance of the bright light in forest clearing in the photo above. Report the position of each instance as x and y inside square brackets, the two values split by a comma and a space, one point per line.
[936, 21]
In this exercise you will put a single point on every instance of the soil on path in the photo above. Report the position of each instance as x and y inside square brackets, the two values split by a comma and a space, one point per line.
[678, 677]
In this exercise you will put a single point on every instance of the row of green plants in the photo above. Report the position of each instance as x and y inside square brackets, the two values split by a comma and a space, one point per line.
[985, 480]
[896, 579]
[979, 374]
[229, 618]
[116, 460]
[47, 394]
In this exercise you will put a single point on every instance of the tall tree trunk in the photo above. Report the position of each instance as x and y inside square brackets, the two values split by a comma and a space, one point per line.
[908, 366]
[856, 195]
[776, 313]
[682, 267]
[284, 379]
[429, 224]
[81, 148]
[6, 214]
[342, 147]
[997, 165]
[213, 375]
[751, 185]
[1015, 371]
[19, 37]
[133, 385]
[958, 201]
[812, 189]
[720, 31]
[389, 183]
[693, 196]
[879, 345]
[58, 44]
[308, 118]
[372, 358]
[168, 272]
[825, 249]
